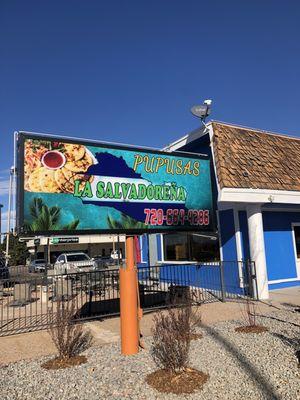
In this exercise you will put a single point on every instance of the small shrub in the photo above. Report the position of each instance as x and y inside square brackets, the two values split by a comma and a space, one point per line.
[249, 312]
[69, 338]
[172, 334]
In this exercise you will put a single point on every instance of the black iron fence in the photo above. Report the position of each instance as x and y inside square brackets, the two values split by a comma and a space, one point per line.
[29, 301]
[205, 282]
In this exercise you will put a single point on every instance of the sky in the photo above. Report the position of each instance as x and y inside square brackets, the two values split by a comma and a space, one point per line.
[129, 71]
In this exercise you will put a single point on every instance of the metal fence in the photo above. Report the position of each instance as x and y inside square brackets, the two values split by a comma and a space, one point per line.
[29, 301]
[204, 282]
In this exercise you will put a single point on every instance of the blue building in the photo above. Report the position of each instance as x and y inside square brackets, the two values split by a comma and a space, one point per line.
[256, 189]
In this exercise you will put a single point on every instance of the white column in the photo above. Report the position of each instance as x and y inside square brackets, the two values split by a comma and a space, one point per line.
[257, 249]
[238, 245]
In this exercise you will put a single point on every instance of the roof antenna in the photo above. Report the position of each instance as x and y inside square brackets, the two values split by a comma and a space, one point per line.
[202, 111]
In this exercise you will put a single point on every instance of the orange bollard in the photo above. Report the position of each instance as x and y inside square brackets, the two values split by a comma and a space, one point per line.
[129, 303]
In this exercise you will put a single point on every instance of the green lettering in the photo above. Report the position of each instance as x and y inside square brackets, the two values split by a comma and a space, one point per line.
[166, 193]
[77, 191]
[142, 191]
[150, 192]
[87, 191]
[100, 189]
[125, 189]
[133, 193]
[173, 191]
[181, 194]
[109, 191]
[117, 191]
[158, 192]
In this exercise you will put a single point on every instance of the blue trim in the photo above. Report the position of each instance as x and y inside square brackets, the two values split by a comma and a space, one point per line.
[273, 286]
[158, 243]
[144, 248]
[227, 232]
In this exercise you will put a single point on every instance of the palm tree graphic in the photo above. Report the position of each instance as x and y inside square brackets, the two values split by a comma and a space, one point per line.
[46, 218]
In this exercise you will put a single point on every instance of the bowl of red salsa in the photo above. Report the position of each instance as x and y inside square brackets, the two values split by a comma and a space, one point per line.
[53, 159]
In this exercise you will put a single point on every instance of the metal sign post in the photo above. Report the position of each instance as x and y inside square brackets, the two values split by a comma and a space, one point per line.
[129, 302]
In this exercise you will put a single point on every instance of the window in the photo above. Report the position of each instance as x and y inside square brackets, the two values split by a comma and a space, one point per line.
[190, 247]
[297, 240]
[40, 262]
[176, 247]
[77, 257]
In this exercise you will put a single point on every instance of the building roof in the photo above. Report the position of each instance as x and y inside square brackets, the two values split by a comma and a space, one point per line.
[250, 158]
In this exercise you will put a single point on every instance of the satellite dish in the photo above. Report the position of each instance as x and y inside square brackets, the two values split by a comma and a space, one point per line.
[203, 110]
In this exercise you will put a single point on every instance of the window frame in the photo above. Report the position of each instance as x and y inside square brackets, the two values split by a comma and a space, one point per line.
[297, 260]
[189, 244]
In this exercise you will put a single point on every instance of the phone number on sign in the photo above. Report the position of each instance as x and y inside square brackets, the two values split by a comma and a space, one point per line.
[176, 217]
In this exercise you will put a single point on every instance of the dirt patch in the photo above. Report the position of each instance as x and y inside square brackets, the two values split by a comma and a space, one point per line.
[59, 363]
[184, 382]
[251, 329]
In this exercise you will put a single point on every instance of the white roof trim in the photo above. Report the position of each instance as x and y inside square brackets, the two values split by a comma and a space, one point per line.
[190, 137]
[241, 195]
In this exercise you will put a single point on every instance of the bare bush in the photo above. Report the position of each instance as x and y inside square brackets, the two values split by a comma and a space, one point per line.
[172, 334]
[249, 312]
[69, 338]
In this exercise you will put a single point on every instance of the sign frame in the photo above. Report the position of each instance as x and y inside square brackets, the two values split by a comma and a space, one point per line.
[20, 193]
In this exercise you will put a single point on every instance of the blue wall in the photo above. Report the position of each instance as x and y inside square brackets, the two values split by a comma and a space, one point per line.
[144, 248]
[227, 233]
[159, 239]
[202, 146]
[280, 254]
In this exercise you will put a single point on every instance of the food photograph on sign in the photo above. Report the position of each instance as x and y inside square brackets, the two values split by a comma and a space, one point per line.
[96, 187]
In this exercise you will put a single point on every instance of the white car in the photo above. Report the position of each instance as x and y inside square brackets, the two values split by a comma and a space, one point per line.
[70, 263]
[115, 255]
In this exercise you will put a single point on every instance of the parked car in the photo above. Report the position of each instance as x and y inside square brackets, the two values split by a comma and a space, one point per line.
[103, 262]
[68, 263]
[38, 265]
[115, 254]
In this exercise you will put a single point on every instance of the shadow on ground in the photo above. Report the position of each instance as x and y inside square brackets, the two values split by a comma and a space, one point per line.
[254, 374]
[293, 342]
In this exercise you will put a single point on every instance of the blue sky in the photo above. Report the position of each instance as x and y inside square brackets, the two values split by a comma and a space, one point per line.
[129, 71]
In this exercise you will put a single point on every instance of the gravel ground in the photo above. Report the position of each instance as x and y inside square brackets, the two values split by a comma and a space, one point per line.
[241, 366]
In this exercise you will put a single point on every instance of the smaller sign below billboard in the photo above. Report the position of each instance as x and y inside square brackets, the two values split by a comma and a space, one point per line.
[64, 240]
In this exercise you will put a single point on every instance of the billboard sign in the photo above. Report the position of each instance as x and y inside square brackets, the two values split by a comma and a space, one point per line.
[79, 186]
